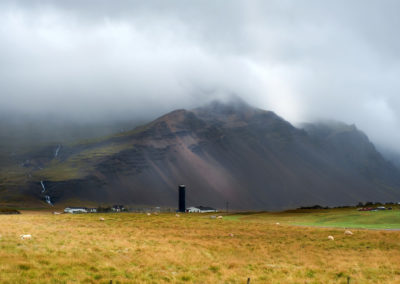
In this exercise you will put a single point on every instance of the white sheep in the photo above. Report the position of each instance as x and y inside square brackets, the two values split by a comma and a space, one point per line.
[101, 219]
[331, 238]
[277, 223]
[220, 217]
[25, 237]
[177, 215]
[56, 213]
[148, 214]
[347, 232]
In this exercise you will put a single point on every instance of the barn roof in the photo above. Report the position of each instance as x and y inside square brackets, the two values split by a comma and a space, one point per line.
[205, 208]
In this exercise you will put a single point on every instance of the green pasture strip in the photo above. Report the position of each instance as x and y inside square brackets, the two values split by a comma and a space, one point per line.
[335, 218]
[355, 219]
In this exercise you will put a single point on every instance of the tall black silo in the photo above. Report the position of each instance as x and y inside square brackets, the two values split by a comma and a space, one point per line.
[182, 201]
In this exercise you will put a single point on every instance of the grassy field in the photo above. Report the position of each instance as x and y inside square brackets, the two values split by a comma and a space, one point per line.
[348, 218]
[193, 248]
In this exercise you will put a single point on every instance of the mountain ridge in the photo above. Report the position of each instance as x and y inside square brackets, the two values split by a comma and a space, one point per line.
[224, 152]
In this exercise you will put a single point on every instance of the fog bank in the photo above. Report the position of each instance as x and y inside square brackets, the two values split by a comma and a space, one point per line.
[111, 60]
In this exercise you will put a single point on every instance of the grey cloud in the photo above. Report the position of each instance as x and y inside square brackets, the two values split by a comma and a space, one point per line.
[306, 60]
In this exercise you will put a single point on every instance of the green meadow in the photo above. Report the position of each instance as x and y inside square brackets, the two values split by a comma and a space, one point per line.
[335, 218]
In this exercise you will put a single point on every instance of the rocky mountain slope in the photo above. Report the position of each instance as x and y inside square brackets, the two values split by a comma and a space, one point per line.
[232, 152]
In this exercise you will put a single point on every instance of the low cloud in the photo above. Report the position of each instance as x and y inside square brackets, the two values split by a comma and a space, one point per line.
[91, 60]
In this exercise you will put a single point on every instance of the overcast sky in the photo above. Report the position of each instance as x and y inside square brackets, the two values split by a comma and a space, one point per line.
[305, 60]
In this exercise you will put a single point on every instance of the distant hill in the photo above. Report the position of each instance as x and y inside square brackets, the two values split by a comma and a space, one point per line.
[223, 152]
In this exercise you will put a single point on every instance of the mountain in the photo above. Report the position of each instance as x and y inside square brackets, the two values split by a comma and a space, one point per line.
[391, 155]
[223, 152]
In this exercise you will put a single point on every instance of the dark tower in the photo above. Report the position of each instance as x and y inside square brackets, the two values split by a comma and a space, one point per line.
[182, 201]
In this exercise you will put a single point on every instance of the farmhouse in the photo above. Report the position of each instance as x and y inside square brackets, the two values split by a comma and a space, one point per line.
[75, 210]
[118, 208]
[193, 210]
[200, 209]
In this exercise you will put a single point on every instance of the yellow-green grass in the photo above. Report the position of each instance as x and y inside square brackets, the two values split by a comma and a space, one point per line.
[79, 165]
[13, 175]
[388, 219]
[192, 248]
[340, 218]
[76, 166]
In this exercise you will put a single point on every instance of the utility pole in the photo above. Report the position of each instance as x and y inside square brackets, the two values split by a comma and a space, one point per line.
[227, 206]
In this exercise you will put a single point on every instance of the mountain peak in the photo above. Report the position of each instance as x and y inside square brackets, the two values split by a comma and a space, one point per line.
[232, 105]
[227, 111]
[328, 128]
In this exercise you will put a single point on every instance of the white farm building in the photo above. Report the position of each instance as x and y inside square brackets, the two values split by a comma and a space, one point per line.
[75, 210]
[200, 209]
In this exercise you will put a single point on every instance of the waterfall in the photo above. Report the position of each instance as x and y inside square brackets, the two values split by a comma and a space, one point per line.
[57, 150]
[48, 200]
[47, 197]
[43, 188]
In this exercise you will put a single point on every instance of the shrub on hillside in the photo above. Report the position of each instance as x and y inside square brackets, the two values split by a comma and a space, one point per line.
[9, 211]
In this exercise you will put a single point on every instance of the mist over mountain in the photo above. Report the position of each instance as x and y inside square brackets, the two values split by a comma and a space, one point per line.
[88, 61]
[224, 152]
[391, 155]
[19, 131]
